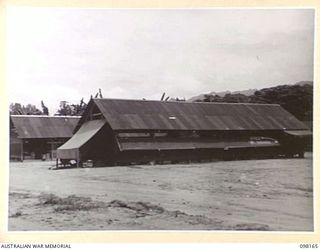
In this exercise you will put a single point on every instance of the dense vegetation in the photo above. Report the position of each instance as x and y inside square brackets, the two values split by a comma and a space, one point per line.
[71, 109]
[297, 99]
[65, 108]
[29, 109]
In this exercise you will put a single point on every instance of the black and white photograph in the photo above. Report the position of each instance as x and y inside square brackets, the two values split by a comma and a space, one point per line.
[191, 119]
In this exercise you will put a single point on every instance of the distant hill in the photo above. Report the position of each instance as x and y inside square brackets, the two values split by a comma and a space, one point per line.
[301, 83]
[296, 98]
[246, 92]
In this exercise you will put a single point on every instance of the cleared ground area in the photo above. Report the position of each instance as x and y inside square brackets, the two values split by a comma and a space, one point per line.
[271, 195]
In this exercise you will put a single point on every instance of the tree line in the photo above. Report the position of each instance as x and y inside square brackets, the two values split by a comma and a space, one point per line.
[65, 108]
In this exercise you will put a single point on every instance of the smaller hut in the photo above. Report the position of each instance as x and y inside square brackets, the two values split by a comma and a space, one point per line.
[38, 137]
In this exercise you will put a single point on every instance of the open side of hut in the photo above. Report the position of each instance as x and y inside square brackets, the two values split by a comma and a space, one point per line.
[35, 137]
[114, 131]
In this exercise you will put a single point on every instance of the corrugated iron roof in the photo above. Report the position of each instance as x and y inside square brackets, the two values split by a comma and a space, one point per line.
[159, 115]
[28, 126]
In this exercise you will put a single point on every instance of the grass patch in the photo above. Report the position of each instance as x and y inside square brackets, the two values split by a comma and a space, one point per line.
[15, 215]
[70, 203]
[20, 195]
[142, 208]
[251, 227]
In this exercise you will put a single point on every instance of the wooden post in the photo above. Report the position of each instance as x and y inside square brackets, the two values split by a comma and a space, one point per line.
[56, 162]
[52, 150]
[21, 153]
[78, 159]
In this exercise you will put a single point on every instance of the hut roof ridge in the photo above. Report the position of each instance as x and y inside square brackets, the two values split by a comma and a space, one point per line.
[187, 102]
[48, 116]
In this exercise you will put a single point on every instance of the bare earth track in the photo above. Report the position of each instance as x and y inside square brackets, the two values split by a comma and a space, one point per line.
[268, 195]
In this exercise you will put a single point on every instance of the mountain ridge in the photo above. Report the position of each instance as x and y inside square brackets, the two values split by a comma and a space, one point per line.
[246, 92]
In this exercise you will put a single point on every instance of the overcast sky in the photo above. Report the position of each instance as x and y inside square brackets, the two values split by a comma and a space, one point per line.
[67, 54]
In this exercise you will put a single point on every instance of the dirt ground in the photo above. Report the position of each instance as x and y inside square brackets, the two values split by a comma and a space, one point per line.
[267, 195]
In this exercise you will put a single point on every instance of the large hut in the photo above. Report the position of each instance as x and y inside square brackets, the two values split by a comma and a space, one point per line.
[114, 131]
[38, 137]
